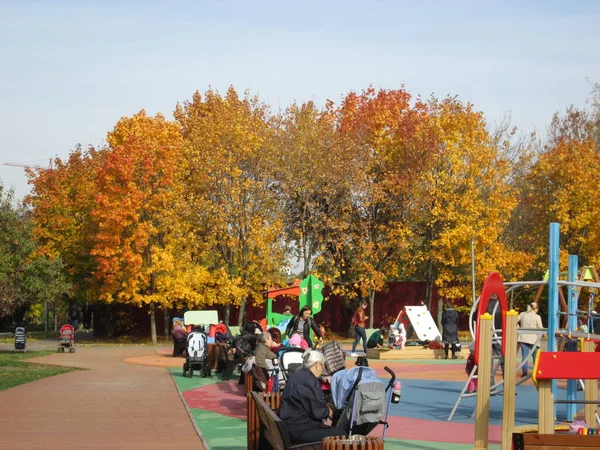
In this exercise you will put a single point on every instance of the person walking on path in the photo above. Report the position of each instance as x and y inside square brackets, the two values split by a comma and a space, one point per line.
[529, 319]
[450, 329]
[87, 315]
[74, 316]
[359, 320]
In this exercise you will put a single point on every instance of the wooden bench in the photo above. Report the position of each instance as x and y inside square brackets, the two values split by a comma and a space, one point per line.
[532, 441]
[271, 399]
[272, 429]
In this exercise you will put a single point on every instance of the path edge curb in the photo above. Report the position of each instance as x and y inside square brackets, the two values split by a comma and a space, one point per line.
[190, 415]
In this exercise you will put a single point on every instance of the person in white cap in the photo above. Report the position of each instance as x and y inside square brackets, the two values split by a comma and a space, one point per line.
[529, 319]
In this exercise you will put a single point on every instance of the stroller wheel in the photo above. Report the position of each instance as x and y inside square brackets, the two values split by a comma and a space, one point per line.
[205, 372]
[71, 349]
[185, 369]
[191, 372]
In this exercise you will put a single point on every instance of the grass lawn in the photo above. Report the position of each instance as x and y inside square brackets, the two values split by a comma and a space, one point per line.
[13, 371]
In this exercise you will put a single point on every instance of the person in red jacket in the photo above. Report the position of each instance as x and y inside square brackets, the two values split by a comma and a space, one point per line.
[359, 320]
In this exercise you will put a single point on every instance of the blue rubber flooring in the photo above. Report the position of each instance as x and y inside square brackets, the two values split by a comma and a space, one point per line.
[434, 400]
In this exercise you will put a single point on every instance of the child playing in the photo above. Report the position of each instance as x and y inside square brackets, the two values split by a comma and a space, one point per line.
[397, 336]
[472, 387]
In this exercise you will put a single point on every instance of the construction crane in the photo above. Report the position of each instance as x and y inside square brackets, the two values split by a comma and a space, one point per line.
[31, 166]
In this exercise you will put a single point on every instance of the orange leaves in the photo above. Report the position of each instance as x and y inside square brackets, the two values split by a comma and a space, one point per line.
[137, 187]
[383, 186]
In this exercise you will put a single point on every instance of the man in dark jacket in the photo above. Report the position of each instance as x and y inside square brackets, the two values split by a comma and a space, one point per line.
[450, 329]
[303, 407]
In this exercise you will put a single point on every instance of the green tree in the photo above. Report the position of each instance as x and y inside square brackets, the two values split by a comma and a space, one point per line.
[25, 277]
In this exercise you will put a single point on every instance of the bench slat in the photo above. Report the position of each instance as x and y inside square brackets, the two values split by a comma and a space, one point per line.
[533, 441]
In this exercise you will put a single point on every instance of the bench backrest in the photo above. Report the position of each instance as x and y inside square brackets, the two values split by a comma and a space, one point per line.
[524, 441]
[274, 429]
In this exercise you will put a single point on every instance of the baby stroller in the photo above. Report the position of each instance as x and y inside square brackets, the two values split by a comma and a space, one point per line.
[196, 353]
[290, 360]
[21, 339]
[361, 400]
[66, 339]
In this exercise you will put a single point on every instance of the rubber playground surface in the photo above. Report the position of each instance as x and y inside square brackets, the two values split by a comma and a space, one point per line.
[430, 388]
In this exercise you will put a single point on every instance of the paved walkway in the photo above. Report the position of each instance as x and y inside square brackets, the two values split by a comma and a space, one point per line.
[113, 405]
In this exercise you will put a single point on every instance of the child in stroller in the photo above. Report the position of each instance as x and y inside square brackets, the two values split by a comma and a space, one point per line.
[21, 338]
[66, 339]
[196, 353]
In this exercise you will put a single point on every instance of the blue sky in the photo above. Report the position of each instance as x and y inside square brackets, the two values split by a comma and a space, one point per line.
[70, 69]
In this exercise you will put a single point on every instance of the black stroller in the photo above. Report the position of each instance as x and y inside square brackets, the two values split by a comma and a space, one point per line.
[196, 353]
[242, 346]
[21, 339]
[361, 399]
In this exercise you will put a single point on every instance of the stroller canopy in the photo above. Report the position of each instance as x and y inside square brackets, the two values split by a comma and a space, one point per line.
[196, 344]
[342, 383]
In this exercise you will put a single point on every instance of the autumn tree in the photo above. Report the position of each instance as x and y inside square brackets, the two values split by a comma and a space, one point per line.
[462, 196]
[62, 200]
[561, 187]
[312, 167]
[381, 130]
[230, 204]
[137, 187]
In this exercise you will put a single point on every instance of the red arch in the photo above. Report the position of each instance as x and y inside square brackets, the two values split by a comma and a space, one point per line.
[492, 285]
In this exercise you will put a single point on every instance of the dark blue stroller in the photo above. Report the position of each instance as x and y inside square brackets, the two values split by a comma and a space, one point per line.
[21, 339]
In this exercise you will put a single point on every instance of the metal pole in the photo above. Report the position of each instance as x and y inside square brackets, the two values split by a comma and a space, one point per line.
[473, 269]
[45, 317]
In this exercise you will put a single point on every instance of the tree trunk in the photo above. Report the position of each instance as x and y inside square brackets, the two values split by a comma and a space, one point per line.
[371, 307]
[440, 311]
[242, 316]
[428, 293]
[153, 322]
[166, 321]
[227, 313]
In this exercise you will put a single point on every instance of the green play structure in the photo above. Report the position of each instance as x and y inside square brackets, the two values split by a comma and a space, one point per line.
[308, 292]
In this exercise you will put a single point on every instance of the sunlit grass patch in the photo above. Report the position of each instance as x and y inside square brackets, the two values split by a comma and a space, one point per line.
[14, 371]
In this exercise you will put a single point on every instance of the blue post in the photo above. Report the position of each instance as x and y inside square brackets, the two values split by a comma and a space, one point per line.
[552, 286]
[553, 256]
[572, 325]
[572, 292]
